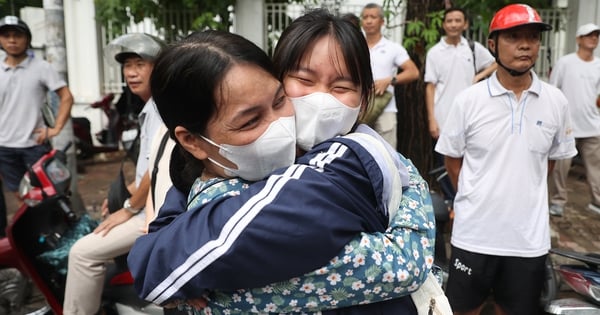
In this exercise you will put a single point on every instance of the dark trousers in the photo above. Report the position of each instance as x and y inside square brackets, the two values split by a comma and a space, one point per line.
[2, 211]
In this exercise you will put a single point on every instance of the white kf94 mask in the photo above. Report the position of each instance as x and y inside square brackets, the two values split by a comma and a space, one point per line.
[321, 116]
[275, 148]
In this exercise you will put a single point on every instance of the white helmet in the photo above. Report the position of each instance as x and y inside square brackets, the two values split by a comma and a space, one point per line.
[138, 44]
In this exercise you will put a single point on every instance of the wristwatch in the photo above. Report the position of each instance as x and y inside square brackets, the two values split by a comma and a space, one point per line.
[394, 81]
[127, 206]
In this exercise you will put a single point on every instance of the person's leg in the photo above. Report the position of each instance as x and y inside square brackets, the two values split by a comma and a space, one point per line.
[11, 172]
[557, 186]
[87, 259]
[589, 149]
[519, 285]
[386, 126]
[470, 280]
[3, 211]
[12, 167]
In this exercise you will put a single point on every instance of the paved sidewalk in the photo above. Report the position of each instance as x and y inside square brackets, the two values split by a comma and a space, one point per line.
[578, 228]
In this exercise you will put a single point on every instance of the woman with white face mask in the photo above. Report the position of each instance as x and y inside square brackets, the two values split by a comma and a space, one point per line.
[298, 237]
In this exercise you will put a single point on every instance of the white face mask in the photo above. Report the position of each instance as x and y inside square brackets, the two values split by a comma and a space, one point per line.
[321, 116]
[275, 148]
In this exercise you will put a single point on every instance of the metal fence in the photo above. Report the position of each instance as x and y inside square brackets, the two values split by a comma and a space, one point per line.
[279, 15]
[179, 21]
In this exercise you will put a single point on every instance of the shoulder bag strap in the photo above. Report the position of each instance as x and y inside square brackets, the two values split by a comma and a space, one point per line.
[161, 149]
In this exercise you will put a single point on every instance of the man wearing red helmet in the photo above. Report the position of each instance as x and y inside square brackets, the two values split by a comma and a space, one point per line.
[500, 140]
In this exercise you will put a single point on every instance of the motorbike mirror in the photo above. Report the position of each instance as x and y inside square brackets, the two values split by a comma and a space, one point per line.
[33, 179]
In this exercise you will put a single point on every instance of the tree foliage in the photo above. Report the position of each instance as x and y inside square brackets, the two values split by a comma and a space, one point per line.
[213, 14]
[12, 7]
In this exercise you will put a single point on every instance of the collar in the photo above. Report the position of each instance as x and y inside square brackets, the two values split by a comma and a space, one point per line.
[496, 89]
[24, 64]
[381, 43]
[463, 42]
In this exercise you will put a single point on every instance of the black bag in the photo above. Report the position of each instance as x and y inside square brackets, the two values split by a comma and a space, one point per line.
[118, 192]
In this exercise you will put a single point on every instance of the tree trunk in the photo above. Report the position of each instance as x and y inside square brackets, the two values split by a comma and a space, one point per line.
[414, 141]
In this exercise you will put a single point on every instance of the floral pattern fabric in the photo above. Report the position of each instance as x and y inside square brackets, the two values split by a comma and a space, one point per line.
[371, 268]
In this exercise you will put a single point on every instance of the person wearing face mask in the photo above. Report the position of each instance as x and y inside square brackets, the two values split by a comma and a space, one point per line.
[413, 221]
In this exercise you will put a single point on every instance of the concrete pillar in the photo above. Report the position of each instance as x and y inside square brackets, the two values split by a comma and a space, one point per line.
[250, 21]
[56, 55]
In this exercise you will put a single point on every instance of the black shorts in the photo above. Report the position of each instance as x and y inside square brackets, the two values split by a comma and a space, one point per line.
[514, 282]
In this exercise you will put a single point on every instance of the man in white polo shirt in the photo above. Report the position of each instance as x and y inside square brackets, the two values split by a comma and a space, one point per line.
[386, 58]
[498, 139]
[577, 75]
[452, 65]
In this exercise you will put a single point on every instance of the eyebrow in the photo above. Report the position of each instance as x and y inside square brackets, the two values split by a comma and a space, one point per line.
[255, 107]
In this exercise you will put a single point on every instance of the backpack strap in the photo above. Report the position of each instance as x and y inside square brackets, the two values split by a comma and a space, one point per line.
[159, 154]
[472, 46]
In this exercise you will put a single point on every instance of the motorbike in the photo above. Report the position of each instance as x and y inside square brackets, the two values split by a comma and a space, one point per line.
[119, 131]
[582, 277]
[44, 225]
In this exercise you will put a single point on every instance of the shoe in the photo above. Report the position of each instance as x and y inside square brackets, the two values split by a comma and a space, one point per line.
[594, 208]
[557, 210]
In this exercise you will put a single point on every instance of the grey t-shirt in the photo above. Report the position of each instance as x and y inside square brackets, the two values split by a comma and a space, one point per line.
[23, 91]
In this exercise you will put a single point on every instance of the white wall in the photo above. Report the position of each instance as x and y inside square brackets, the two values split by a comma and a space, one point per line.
[83, 60]
[583, 11]
[249, 20]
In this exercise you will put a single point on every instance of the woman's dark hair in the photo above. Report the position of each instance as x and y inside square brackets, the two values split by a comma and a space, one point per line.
[185, 83]
[298, 39]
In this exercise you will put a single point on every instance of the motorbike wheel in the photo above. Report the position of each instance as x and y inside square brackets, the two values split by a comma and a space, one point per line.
[15, 289]
[550, 288]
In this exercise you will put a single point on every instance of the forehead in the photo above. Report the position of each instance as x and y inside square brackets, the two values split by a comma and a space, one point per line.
[135, 59]
[324, 55]
[371, 12]
[246, 85]
[12, 30]
[529, 29]
[454, 15]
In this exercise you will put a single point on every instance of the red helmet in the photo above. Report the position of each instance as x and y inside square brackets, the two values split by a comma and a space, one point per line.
[514, 15]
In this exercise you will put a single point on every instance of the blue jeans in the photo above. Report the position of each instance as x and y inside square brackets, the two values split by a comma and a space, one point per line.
[14, 162]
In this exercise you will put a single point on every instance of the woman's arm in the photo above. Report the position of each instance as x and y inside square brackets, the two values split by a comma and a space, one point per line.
[294, 221]
[371, 268]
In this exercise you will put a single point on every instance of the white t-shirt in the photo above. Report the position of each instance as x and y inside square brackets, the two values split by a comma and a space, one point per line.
[579, 80]
[386, 57]
[450, 68]
[501, 206]
[150, 123]
[163, 177]
[23, 91]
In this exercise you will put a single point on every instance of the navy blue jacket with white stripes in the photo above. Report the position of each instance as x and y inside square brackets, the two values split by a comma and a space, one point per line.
[293, 222]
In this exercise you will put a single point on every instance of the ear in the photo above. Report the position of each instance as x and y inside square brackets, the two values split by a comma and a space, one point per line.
[492, 45]
[191, 143]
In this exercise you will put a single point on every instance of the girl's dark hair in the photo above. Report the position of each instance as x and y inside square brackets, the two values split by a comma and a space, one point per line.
[297, 40]
[186, 81]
